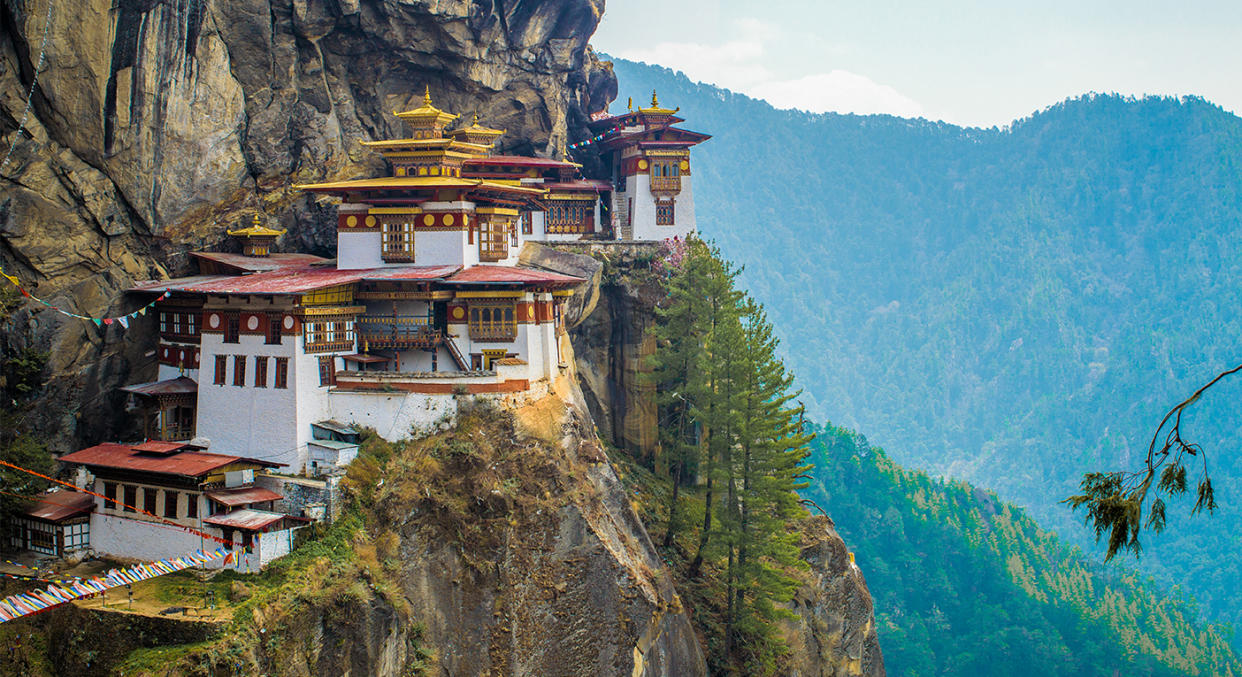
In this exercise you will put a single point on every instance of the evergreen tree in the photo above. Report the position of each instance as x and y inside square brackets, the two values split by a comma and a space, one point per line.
[766, 473]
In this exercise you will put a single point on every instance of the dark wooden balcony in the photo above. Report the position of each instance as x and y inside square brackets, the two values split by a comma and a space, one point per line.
[400, 332]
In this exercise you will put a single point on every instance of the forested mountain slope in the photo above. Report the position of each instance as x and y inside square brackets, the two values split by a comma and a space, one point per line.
[965, 584]
[1008, 306]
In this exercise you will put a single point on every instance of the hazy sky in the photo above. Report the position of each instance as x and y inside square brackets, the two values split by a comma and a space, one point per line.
[963, 61]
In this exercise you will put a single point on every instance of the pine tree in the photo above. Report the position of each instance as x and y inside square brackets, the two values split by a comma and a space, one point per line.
[768, 469]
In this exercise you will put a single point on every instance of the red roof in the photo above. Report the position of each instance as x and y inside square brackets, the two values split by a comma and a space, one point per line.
[126, 457]
[243, 496]
[174, 386]
[294, 280]
[161, 447]
[60, 505]
[519, 160]
[581, 184]
[511, 275]
[254, 264]
[250, 520]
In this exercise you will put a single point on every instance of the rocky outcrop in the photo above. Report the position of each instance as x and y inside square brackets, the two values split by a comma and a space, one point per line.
[154, 125]
[577, 587]
[610, 335]
[833, 633]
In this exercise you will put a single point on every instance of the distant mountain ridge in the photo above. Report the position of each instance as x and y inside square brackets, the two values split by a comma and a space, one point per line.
[1008, 306]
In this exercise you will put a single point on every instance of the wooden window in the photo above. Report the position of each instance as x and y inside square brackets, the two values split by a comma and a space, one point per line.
[232, 328]
[191, 323]
[164, 322]
[569, 218]
[148, 500]
[329, 334]
[493, 322]
[397, 238]
[77, 536]
[327, 370]
[191, 505]
[110, 493]
[282, 372]
[528, 223]
[273, 328]
[222, 368]
[664, 213]
[131, 497]
[176, 323]
[239, 370]
[170, 503]
[493, 239]
[260, 371]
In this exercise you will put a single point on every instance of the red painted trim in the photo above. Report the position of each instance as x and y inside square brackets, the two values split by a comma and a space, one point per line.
[508, 386]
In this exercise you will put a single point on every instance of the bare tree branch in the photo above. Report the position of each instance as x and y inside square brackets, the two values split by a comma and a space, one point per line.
[1116, 501]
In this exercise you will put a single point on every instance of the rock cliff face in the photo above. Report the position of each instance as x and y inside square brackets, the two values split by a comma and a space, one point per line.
[609, 332]
[833, 633]
[154, 125]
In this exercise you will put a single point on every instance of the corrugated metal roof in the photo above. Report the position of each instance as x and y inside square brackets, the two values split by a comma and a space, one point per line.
[333, 444]
[581, 184]
[174, 386]
[175, 284]
[246, 518]
[161, 447]
[243, 496]
[60, 505]
[366, 359]
[254, 264]
[294, 280]
[336, 427]
[510, 275]
[184, 464]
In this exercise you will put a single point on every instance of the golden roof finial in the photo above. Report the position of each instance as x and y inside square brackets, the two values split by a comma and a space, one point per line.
[256, 220]
[655, 103]
[427, 95]
[475, 121]
[629, 103]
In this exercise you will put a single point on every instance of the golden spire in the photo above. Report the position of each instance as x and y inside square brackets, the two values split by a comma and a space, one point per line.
[427, 95]
[655, 102]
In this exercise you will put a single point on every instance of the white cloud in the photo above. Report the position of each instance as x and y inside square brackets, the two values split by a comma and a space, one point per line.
[837, 91]
[739, 64]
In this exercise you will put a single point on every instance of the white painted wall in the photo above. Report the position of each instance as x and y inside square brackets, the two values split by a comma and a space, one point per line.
[260, 423]
[638, 186]
[444, 247]
[394, 415]
[136, 539]
[359, 250]
[167, 372]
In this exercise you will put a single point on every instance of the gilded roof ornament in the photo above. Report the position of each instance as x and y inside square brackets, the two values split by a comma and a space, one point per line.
[256, 229]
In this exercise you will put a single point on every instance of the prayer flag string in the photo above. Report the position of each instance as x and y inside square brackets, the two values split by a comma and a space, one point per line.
[122, 320]
[595, 139]
[34, 601]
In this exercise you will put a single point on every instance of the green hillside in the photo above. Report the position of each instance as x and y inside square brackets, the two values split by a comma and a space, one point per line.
[965, 584]
[1011, 306]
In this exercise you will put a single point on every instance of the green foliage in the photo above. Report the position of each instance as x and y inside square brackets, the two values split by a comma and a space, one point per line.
[1014, 307]
[963, 583]
[725, 417]
[1114, 501]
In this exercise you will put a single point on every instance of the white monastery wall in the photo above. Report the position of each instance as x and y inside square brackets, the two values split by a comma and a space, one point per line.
[249, 421]
[130, 538]
[358, 250]
[394, 415]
